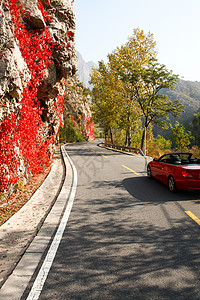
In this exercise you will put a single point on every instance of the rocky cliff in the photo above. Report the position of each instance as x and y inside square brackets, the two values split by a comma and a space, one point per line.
[84, 69]
[77, 125]
[37, 56]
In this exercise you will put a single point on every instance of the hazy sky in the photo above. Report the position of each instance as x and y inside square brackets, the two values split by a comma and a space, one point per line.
[102, 25]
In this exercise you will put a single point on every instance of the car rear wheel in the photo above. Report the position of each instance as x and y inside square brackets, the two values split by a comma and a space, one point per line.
[149, 172]
[171, 184]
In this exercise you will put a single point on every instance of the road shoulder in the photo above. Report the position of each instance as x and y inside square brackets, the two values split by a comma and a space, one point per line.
[20, 230]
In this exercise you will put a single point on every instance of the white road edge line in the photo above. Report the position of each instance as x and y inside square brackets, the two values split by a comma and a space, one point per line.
[44, 270]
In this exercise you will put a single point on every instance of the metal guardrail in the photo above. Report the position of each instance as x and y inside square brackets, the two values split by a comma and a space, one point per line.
[123, 148]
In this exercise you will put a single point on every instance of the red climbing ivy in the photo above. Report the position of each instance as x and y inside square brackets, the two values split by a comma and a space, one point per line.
[88, 129]
[21, 137]
[22, 142]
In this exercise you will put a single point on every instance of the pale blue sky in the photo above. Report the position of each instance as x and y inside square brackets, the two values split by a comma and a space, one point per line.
[105, 24]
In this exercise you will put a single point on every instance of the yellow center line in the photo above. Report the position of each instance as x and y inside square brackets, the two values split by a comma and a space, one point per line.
[191, 215]
[101, 154]
[130, 170]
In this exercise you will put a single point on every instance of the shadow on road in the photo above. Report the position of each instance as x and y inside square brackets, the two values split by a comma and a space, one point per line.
[112, 251]
[153, 191]
[109, 252]
[106, 258]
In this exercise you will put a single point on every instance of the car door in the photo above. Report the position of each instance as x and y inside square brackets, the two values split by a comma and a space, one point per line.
[158, 170]
[162, 167]
[166, 170]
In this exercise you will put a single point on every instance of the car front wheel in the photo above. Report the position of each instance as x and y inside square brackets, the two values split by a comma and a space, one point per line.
[171, 184]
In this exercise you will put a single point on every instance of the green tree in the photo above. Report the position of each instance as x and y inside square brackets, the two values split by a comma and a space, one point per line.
[147, 82]
[103, 98]
[129, 87]
[144, 78]
[162, 143]
[111, 104]
[139, 50]
[71, 132]
[182, 138]
[159, 146]
[194, 126]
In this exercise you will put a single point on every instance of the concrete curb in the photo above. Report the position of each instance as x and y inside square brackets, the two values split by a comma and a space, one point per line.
[18, 232]
[17, 282]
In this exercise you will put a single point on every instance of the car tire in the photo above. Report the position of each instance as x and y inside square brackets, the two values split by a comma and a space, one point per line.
[171, 184]
[149, 172]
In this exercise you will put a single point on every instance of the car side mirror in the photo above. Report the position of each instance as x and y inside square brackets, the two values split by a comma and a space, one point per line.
[155, 159]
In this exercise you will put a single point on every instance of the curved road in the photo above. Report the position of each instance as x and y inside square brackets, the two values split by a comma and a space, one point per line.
[127, 237]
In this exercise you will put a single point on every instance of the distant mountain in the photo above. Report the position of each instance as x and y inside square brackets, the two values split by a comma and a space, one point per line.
[84, 69]
[188, 93]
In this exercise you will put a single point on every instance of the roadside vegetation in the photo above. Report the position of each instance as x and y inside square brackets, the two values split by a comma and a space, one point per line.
[128, 100]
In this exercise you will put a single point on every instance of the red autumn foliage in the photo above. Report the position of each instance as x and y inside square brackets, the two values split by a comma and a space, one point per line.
[21, 138]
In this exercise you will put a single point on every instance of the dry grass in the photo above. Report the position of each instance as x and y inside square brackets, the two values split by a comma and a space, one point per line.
[12, 204]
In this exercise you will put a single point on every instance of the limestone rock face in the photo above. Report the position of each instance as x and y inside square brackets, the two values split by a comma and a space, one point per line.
[78, 124]
[12, 66]
[54, 20]
[14, 73]
[63, 22]
[36, 18]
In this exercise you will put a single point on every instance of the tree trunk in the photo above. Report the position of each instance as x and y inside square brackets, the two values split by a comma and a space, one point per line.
[142, 141]
[111, 137]
[128, 137]
[128, 132]
[106, 134]
[129, 141]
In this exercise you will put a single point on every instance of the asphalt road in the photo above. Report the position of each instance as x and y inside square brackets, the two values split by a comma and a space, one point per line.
[127, 236]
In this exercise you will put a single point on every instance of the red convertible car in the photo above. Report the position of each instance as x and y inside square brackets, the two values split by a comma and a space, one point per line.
[177, 170]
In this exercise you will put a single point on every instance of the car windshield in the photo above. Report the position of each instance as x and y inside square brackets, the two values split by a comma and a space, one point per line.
[185, 155]
[164, 158]
[177, 158]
